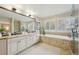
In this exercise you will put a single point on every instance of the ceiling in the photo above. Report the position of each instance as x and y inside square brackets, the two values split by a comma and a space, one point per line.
[42, 10]
[45, 10]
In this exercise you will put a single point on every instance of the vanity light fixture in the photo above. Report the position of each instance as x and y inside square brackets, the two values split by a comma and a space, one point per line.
[29, 15]
[32, 16]
[13, 9]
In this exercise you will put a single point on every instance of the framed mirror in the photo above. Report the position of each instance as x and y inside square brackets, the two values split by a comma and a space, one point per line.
[12, 21]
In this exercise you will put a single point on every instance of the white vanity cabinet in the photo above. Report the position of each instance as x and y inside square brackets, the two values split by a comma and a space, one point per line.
[16, 44]
[36, 38]
[12, 46]
[27, 41]
[32, 39]
[22, 43]
[19, 44]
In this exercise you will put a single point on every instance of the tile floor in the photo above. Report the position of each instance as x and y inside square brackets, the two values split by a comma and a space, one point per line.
[41, 49]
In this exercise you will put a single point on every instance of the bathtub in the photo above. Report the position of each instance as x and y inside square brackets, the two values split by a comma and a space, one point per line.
[62, 42]
[57, 37]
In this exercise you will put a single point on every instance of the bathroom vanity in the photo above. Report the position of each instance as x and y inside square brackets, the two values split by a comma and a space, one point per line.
[10, 45]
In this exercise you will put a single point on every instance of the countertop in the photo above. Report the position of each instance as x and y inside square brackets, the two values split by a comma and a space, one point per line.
[12, 36]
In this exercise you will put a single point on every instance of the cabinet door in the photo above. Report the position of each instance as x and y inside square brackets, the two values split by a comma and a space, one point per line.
[12, 46]
[19, 45]
[24, 42]
[30, 40]
[27, 41]
[35, 38]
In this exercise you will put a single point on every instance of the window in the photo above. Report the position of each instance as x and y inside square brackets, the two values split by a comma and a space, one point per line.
[49, 26]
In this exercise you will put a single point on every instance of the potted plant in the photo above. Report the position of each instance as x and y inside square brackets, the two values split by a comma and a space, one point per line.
[1, 31]
[42, 30]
